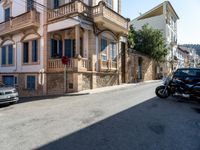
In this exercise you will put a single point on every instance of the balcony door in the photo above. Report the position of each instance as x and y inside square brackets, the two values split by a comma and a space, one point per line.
[7, 14]
[30, 5]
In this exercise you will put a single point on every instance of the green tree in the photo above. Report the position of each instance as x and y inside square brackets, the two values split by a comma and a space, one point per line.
[148, 41]
[131, 37]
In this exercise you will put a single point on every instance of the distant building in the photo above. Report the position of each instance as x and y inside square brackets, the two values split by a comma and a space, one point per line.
[164, 18]
[181, 56]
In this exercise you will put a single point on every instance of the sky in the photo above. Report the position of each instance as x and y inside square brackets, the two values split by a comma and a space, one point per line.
[188, 11]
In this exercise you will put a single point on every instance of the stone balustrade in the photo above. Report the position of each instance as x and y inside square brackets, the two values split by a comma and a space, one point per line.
[69, 9]
[107, 65]
[55, 65]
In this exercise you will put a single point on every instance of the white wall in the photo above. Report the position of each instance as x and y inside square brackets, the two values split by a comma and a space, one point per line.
[17, 9]
[157, 22]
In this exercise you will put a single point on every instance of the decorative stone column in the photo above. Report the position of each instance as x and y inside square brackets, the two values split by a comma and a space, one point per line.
[78, 77]
[45, 48]
[77, 39]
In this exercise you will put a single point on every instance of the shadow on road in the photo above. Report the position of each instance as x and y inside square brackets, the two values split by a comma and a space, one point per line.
[30, 99]
[153, 125]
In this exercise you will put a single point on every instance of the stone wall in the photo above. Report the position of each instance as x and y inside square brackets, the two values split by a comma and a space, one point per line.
[21, 85]
[104, 79]
[55, 83]
[86, 81]
[148, 68]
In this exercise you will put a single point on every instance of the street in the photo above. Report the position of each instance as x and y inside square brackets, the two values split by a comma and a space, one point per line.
[130, 118]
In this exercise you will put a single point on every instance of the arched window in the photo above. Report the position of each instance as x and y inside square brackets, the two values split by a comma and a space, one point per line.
[108, 46]
[7, 53]
[30, 45]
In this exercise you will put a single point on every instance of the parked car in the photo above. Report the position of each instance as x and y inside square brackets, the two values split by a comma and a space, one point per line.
[188, 75]
[8, 94]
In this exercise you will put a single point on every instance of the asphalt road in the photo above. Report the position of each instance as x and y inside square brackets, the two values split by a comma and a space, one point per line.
[131, 118]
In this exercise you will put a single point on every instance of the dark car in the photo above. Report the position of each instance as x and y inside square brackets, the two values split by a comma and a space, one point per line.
[188, 75]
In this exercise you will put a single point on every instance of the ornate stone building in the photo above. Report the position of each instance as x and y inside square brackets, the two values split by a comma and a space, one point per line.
[33, 39]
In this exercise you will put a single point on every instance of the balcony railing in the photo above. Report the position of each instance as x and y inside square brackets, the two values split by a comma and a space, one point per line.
[108, 65]
[103, 10]
[69, 9]
[55, 65]
[23, 21]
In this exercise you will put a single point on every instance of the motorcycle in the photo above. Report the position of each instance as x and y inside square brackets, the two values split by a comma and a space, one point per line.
[178, 88]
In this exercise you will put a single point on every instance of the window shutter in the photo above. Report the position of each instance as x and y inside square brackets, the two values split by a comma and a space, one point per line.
[68, 46]
[10, 54]
[60, 48]
[52, 48]
[7, 14]
[103, 44]
[56, 4]
[26, 45]
[34, 51]
[31, 82]
[3, 56]
[8, 80]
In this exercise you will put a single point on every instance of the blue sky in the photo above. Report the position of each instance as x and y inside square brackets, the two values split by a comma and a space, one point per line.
[187, 10]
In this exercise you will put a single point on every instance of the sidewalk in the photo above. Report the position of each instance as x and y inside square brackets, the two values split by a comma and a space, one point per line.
[108, 88]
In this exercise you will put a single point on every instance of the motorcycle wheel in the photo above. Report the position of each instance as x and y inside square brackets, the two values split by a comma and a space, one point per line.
[160, 92]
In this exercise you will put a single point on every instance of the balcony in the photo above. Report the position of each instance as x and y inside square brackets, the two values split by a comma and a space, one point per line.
[69, 9]
[55, 65]
[109, 18]
[24, 21]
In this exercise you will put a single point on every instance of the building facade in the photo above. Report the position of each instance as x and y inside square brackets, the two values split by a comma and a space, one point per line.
[164, 18]
[90, 34]
[181, 58]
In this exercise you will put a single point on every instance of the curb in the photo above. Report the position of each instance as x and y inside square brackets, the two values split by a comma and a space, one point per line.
[108, 88]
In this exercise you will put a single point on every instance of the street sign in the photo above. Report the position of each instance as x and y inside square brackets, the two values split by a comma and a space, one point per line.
[65, 60]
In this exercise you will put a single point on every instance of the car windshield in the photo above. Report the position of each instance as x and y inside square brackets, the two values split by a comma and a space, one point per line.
[187, 72]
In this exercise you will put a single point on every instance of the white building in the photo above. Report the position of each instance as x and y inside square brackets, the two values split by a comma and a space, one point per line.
[164, 18]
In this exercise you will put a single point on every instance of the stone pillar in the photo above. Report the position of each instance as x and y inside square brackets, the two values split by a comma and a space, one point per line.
[86, 43]
[77, 38]
[93, 62]
[97, 54]
[45, 51]
[78, 77]
[94, 81]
